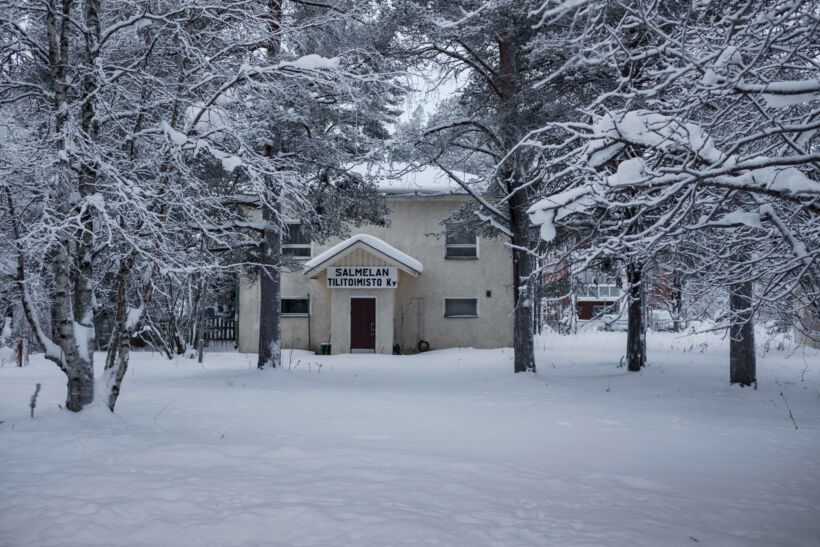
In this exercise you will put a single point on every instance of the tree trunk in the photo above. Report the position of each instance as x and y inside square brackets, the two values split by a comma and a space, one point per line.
[193, 321]
[636, 326]
[20, 330]
[80, 337]
[78, 361]
[84, 236]
[174, 338]
[538, 305]
[80, 390]
[116, 362]
[119, 370]
[523, 348]
[22, 352]
[742, 366]
[58, 61]
[73, 312]
[677, 300]
[119, 354]
[270, 307]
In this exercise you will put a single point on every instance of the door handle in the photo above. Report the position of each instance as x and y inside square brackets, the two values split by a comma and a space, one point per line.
[372, 328]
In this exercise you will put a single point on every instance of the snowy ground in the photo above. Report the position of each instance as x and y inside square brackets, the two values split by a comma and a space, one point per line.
[445, 448]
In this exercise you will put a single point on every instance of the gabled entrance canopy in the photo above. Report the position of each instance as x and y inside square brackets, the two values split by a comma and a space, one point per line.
[369, 244]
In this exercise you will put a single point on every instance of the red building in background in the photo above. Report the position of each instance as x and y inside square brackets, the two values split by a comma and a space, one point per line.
[593, 293]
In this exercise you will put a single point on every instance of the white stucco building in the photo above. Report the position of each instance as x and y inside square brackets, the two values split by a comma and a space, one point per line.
[405, 284]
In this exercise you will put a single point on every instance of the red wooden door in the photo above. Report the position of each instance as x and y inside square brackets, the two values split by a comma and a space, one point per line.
[362, 324]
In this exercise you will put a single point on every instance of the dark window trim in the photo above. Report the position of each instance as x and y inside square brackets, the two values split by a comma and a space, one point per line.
[444, 307]
[309, 303]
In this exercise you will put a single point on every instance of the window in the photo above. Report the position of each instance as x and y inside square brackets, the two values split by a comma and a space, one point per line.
[295, 306]
[296, 241]
[600, 292]
[461, 307]
[460, 241]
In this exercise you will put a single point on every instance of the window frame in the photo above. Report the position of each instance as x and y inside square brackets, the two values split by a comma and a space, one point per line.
[286, 246]
[596, 292]
[444, 307]
[310, 306]
[460, 246]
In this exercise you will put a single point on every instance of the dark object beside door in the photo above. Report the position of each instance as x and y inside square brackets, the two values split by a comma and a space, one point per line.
[362, 324]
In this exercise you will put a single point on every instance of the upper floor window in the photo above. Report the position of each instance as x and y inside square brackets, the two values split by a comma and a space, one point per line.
[296, 241]
[460, 241]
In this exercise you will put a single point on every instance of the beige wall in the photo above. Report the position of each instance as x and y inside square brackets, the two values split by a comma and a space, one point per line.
[416, 310]
[248, 316]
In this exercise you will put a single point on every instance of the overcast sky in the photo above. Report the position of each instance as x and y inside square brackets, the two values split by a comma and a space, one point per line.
[429, 94]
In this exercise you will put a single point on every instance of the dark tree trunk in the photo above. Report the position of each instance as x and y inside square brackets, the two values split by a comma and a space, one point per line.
[175, 338]
[19, 328]
[270, 306]
[22, 352]
[270, 281]
[636, 326]
[197, 304]
[677, 299]
[523, 348]
[121, 314]
[742, 365]
[537, 311]
[179, 345]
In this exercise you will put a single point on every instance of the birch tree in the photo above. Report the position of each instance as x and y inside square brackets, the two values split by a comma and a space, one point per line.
[143, 123]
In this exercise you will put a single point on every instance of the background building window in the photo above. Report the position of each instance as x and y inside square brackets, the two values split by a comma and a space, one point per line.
[600, 292]
[594, 284]
[295, 306]
[461, 307]
[460, 241]
[604, 309]
[296, 241]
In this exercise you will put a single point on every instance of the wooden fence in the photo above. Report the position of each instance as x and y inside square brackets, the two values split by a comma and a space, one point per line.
[219, 332]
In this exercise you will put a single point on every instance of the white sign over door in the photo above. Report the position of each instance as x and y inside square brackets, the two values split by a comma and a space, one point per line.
[362, 277]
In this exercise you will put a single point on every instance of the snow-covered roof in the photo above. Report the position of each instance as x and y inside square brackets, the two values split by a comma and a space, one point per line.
[373, 243]
[403, 179]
